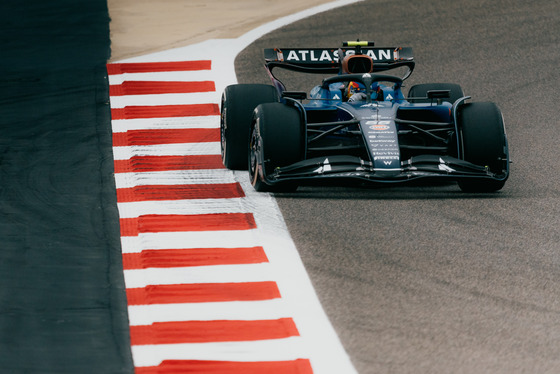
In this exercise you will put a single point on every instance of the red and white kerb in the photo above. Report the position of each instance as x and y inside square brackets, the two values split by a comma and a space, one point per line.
[202, 288]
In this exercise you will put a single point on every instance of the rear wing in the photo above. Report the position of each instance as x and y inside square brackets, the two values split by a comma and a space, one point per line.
[327, 60]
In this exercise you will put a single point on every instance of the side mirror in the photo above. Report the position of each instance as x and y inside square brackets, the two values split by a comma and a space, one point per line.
[438, 94]
[295, 95]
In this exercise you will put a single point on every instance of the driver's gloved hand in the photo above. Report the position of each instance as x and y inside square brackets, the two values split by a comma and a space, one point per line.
[358, 96]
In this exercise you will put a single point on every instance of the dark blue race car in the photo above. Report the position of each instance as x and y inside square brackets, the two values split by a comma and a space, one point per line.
[357, 124]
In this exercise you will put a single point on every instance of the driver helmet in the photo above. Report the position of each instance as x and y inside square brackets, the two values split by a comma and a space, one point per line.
[353, 88]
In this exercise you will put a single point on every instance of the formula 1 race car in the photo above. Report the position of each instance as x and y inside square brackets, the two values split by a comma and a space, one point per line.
[358, 125]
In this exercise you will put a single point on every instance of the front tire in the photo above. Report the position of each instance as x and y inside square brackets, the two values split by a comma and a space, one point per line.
[484, 143]
[238, 103]
[277, 139]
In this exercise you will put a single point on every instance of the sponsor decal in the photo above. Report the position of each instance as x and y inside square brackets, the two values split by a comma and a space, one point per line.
[378, 122]
[379, 127]
[386, 153]
[303, 55]
[381, 136]
[375, 146]
[331, 55]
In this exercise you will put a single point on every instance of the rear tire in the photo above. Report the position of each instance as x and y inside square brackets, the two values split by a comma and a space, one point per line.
[238, 103]
[277, 140]
[421, 90]
[484, 143]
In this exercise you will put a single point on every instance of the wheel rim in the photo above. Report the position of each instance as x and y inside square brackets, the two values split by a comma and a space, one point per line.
[253, 158]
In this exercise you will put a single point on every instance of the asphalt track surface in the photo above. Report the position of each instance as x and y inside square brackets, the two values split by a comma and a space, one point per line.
[426, 278]
[62, 299]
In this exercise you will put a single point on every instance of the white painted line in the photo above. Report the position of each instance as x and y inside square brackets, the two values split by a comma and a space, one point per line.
[164, 76]
[200, 274]
[178, 149]
[188, 206]
[166, 99]
[193, 239]
[126, 180]
[197, 122]
[231, 310]
[262, 350]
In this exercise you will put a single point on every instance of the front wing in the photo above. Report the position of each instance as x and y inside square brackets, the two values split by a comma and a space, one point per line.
[350, 167]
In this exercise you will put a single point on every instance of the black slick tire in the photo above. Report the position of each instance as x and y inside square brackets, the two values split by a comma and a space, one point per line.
[484, 143]
[237, 105]
[277, 140]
